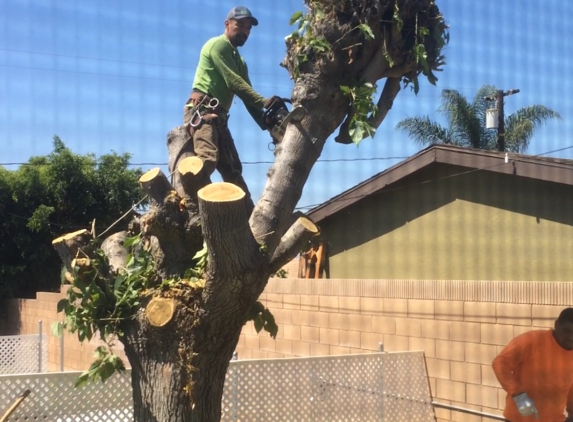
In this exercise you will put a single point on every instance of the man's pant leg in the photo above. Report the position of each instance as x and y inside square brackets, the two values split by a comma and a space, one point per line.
[206, 145]
[229, 165]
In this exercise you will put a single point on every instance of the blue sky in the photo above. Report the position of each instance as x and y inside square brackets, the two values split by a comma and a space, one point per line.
[114, 74]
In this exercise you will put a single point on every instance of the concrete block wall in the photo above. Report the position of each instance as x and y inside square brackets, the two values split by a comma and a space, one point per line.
[460, 326]
[22, 316]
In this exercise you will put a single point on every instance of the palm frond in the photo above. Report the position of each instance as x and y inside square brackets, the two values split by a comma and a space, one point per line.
[521, 125]
[424, 131]
[464, 124]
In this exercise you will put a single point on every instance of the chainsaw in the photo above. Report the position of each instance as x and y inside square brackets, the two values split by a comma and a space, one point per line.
[277, 117]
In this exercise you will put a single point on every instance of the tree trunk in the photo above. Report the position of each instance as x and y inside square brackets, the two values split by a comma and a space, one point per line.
[182, 338]
[183, 331]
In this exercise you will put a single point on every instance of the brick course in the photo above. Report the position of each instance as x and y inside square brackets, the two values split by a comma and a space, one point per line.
[460, 328]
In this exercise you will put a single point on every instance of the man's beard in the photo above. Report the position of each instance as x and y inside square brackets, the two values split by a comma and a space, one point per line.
[239, 40]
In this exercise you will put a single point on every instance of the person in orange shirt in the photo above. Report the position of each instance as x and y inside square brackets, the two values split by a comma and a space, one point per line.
[536, 371]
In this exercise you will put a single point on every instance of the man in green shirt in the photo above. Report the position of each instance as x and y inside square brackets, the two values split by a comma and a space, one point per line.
[221, 74]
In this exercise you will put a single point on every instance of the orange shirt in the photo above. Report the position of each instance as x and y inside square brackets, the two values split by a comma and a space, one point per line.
[535, 364]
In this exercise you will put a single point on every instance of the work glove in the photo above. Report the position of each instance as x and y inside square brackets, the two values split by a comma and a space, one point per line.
[525, 405]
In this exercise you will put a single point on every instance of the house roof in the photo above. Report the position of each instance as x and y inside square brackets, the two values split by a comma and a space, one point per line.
[549, 169]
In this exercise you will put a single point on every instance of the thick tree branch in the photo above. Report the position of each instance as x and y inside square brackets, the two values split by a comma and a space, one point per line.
[180, 146]
[292, 242]
[191, 179]
[114, 250]
[386, 100]
[224, 214]
[70, 244]
[170, 227]
[156, 185]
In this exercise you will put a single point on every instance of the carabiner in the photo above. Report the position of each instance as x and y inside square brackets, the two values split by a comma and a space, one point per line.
[213, 103]
[196, 119]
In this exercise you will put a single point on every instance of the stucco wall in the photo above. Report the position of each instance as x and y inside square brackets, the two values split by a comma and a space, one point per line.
[477, 226]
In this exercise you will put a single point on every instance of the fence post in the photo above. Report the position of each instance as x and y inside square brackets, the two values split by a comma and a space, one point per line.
[40, 345]
[62, 348]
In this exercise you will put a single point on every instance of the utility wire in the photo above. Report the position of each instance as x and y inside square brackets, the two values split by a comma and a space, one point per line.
[345, 198]
[121, 61]
[333, 160]
[307, 207]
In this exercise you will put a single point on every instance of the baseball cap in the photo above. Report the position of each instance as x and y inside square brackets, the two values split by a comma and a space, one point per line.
[241, 12]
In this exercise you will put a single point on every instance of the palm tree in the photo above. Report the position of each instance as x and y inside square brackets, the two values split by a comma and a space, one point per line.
[466, 123]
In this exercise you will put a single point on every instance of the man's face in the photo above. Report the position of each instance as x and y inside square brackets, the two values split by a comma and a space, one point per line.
[238, 30]
[563, 334]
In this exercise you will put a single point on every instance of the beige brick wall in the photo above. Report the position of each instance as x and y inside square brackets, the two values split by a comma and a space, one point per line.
[460, 326]
[22, 317]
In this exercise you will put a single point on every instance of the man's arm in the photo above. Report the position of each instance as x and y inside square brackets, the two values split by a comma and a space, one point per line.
[506, 364]
[224, 62]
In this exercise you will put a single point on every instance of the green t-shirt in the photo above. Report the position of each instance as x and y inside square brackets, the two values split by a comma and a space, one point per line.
[222, 73]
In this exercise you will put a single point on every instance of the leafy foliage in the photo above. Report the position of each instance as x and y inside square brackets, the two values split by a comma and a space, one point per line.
[98, 301]
[466, 123]
[361, 97]
[435, 38]
[305, 40]
[263, 319]
[51, 195]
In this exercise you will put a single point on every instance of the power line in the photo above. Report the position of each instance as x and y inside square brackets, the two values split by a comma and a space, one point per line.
[94, 58]
[345, 198]
[94, 73]
[307, 207]
[118, 61]
[187, 81]
[334, 160]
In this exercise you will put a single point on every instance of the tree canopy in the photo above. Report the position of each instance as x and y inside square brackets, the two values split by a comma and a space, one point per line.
[467, 123]
[51, 195]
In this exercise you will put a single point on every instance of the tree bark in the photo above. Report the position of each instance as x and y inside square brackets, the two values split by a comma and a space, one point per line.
[69, 245]
[184, 332]
[292, 242]
[182, 339]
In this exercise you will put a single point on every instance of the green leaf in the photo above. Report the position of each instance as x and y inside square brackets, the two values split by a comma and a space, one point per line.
[319, 14]
[356, 133]
[295, 17]
[432, 78]
[57, 328]
[366, 31]
[100, 352]
[396, 17]
[62, 305]
[345, 90]
[118, 281]
[130, 241]
[106, 370]
[388, 58]
[416, 85]
[83, 379]
[258, 321]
